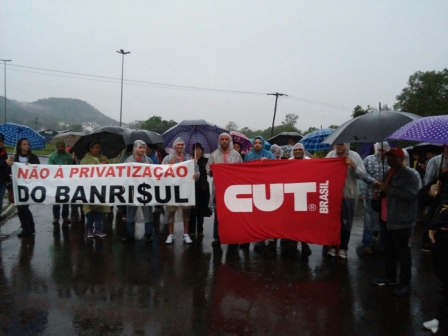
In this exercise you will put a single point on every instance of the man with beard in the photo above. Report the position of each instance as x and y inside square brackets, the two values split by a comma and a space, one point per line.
[223, 154]
[258, 152]
[298, 153]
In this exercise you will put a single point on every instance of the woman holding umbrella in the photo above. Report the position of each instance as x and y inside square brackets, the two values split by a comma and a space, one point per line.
[94, 213]
[23, 154]
[202, 190]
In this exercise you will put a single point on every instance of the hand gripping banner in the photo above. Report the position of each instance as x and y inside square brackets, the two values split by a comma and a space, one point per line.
[120, 184]
[290, 199]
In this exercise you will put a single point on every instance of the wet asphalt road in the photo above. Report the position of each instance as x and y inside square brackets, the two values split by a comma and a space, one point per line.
[60, 283]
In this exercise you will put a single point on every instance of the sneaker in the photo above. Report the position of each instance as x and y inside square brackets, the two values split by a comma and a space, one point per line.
[187, 239]
[100, 234]
[332, 252]
[170, 239]
[368, 250]
[402, 290]
[343, 254]
[148, 238]
[384, 281]
[432, 325]
[127, 239]
[25, 233]
[66, 221]
[90, 233]
[216, 243]
[55, 221]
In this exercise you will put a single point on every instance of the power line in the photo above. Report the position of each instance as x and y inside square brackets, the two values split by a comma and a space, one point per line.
[105, 79]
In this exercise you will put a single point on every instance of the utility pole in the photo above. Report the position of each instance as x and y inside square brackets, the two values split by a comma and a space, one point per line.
[275, 108]
[35, 124]
[4, 62]
[122, 71]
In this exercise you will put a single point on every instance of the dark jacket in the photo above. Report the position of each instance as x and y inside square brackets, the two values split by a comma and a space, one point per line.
[402, 204]
[32, 159]
[436, 218]
[5, 170]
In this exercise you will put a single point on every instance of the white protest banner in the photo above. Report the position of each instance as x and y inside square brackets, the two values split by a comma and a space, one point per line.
[119, 184]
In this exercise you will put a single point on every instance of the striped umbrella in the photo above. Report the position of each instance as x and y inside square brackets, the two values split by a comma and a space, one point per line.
[14, 132]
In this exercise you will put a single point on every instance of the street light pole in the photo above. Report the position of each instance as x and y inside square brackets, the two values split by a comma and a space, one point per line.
[122, 71]
[4, 62]
[275, 108]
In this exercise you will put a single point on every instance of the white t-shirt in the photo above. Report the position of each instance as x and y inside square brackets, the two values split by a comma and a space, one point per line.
[23, 159]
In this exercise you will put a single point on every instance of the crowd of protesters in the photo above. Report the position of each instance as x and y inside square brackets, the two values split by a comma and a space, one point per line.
[396, 193]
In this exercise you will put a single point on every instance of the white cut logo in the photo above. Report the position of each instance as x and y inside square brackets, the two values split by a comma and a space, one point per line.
[277, 192]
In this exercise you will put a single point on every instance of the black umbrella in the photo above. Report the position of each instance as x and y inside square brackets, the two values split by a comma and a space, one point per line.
[149, 137]
[112, 144]
[110, 129]
[282, 138]
[371, 127]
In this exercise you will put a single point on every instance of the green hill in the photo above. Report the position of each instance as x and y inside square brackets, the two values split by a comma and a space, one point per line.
[51, 112]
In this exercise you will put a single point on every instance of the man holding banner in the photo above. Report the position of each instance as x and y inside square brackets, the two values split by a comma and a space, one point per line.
[138, 156]
[178, 156]
[356, 170]
[223, 154]
[60, 157]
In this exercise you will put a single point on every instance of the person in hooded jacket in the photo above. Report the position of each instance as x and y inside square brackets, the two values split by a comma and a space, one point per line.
[223, 154]
[277, 151]
[138, 156]
[356, 170]
[258, 152]
[179, 155]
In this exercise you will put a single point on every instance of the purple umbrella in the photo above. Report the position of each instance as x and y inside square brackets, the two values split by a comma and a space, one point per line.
[246, 144]
[429, 129]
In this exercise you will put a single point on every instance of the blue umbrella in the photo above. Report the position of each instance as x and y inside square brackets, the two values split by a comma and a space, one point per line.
[193, 131]
[313, 140]
[14, 132]
[429, 129]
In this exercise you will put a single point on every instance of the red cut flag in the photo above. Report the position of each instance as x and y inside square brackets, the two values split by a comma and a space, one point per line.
[290, 199]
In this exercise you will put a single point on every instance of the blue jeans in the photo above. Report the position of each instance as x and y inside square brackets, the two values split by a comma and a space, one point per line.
[57, 211]
[131, 211]
[371, 224]
[94, 217]
[2, 194]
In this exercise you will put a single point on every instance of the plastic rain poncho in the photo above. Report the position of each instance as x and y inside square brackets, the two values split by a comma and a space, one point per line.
[298, 145]
[254, 155]
[132, 158]
[184, 157]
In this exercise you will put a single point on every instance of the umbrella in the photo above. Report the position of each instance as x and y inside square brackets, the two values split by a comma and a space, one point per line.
[370, 127]
[282, 138]
[14, 132]
[246, 144]
[192, 131]
[112, 144]
[110, 129]
[149, 137]
[313, 140]
[69, 138]
[431, 129]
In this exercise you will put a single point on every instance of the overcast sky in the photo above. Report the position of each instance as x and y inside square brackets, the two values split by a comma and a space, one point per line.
[328, 56]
